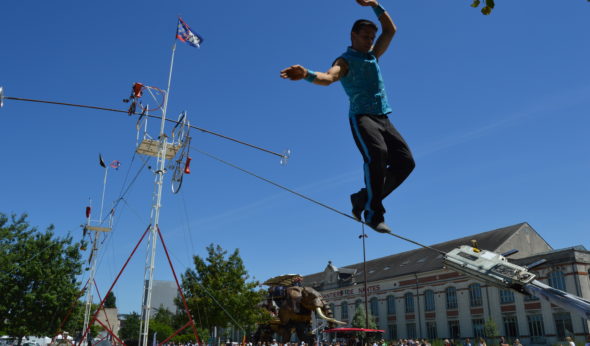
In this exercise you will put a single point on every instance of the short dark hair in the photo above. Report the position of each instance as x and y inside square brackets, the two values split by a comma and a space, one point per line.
[363, 23]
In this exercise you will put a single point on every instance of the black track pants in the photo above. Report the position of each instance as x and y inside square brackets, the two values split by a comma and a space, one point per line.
[388, 160]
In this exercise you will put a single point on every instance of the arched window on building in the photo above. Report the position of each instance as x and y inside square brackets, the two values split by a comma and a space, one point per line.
[451, 297]
[374, 302]
[344, 311]
[411, 330]
[478, 327]
[454, 329]
[475, 295]
[357, 304]
[506, 296]
[428, 300]
[392, 331]
[556, 280]
[563, 324]
[510, 322]
[333, 309]
[431, 331]
[409, 298]
[536, 328]
[390, 305]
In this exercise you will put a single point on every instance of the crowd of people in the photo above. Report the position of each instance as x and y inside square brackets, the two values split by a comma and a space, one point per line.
[501, 341]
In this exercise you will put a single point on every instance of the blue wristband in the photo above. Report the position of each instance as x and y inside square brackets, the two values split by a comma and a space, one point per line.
[311, 76]
[379, 10]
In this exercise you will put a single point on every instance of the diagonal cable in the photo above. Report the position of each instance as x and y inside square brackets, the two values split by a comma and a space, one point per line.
[311, 199]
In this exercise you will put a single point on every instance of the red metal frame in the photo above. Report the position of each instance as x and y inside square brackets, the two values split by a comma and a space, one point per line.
[105, 312]
[65, 319]
[188, 313]
[110, 332]
[102, 300]
[93, 319]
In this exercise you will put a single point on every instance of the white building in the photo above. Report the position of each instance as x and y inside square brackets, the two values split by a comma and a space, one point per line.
[412, 295]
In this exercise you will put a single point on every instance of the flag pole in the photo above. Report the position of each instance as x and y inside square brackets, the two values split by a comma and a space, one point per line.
[104, 187]
[168, 87]
[155, 216]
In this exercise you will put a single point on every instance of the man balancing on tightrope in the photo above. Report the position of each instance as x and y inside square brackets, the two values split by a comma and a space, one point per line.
[388, 160]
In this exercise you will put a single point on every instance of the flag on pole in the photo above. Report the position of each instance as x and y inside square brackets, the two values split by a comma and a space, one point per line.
[101, 161]
[185, 34]
[115, 164]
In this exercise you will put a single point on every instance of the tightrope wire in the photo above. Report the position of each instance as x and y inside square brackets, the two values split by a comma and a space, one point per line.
[310, 199]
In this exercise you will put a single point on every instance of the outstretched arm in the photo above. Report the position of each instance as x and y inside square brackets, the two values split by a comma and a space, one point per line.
[298, 72]
[387, 26]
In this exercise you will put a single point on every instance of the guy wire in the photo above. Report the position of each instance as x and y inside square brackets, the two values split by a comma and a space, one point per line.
[149, 116]
[312, 200]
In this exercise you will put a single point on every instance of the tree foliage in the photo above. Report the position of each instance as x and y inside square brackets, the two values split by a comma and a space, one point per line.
[488, 7]
[110, 301]
[37, 278]
[218, 291]
[490, 329]
[359, 321]
[129, 331]
[163, 324]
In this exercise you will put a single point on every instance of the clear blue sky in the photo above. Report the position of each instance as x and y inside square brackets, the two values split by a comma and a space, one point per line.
[495, 109]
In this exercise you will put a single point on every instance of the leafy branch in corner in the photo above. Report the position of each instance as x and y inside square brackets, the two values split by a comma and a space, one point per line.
[487, 9]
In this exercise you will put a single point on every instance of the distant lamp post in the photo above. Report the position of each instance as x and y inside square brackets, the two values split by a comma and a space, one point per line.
[363, 236]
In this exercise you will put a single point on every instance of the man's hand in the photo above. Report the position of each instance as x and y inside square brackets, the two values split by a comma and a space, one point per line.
[295, 72]
[298, 72]
[371, 3]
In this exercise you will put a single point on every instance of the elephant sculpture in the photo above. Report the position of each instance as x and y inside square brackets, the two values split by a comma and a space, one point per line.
[291, 308]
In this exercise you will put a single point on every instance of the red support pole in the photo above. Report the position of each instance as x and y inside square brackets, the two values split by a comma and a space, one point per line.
[110, 332]
[71, 309]
[175, 333]
[114, 282]
[108, 328]
[105, 312]
[178, 286]
[99, 340]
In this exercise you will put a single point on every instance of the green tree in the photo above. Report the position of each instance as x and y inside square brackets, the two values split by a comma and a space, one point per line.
[179, 320]
[37, 278]
[165, 316]
[129, 331]
[359, 321]
[490, 329]
[163, 324]
[110, 301]
[218, 291]
[74, 322]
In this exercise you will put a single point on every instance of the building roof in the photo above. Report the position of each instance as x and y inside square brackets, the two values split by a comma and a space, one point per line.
[414, 261]
[555, 257]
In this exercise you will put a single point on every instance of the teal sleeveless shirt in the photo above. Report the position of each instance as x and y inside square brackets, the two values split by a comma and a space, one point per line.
[363, 84]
